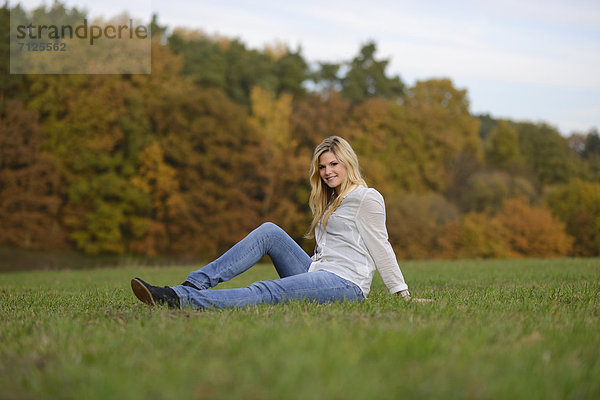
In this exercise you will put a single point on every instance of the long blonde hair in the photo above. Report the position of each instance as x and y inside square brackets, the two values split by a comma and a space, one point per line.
[321, 195]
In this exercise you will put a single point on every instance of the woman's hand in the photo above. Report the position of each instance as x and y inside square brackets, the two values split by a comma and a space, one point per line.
[406, 296]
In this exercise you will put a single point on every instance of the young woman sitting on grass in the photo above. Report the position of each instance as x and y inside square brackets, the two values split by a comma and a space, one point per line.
[352, 240]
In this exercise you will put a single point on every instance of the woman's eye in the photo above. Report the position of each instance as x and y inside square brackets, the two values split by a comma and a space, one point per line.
[333, 164]
[321, 166]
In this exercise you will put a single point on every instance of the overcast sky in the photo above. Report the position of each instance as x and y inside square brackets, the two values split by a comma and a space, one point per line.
[534, 60]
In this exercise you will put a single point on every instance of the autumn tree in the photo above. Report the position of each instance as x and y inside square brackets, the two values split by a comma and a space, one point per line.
[390, 154]
[30, 186]
[418, 225]
[206, 152]
[279, 164]
[487, 190]
[90, 130]
[158, 181]
[481, 236]
[187, 160]
[415, 146]
[530, 231]
[502, 148]
[577, 204]
[577, 141]
[318, 116]
[437, 129]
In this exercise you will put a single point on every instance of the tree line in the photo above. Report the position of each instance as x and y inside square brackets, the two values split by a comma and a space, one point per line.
[187, 160]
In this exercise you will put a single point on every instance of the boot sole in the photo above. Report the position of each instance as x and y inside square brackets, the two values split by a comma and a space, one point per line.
[141, 292]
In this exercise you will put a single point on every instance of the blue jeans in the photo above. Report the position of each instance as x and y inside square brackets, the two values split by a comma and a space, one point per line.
[290, 261]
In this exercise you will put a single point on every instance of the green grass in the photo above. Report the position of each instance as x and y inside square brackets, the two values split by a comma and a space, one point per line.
[497, 329]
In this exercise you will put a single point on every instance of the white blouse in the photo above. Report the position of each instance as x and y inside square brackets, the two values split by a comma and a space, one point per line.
[356, 242]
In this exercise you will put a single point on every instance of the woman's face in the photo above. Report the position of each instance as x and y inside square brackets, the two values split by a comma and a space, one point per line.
[332, 171]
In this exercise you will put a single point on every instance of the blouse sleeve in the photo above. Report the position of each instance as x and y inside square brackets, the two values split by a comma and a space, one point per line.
[370, 221]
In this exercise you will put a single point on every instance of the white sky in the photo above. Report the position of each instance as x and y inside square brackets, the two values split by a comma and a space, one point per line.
[535, 60]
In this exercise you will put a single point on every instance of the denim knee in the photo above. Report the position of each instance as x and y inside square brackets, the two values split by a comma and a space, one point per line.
[269, 228]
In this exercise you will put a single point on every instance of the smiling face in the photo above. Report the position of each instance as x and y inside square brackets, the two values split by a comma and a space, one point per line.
[332, 171]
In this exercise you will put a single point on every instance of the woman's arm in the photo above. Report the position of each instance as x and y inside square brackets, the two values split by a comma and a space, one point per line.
[370, 221]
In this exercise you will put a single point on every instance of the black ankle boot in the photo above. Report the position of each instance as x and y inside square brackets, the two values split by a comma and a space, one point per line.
[153, 295]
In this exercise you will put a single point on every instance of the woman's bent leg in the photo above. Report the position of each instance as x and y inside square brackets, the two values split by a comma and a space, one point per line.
[287, 256]
[318, 286]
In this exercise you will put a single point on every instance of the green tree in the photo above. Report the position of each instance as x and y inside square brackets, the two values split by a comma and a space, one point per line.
[487, 124]
[157, 31]
[204, 57]
[591, 154]
[290, 70]
[548, 154]
[11, 86]
[592, 144]
[245, 70]
[366, 77]
[326, 77]
[213, 61]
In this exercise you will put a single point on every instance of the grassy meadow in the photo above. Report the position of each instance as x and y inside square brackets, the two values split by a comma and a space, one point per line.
[501, 329]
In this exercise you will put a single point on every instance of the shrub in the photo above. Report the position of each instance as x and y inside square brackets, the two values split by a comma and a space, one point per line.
[518, 230]
[532, 231]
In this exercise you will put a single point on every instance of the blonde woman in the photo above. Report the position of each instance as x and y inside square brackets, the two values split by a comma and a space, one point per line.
[352, 241]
